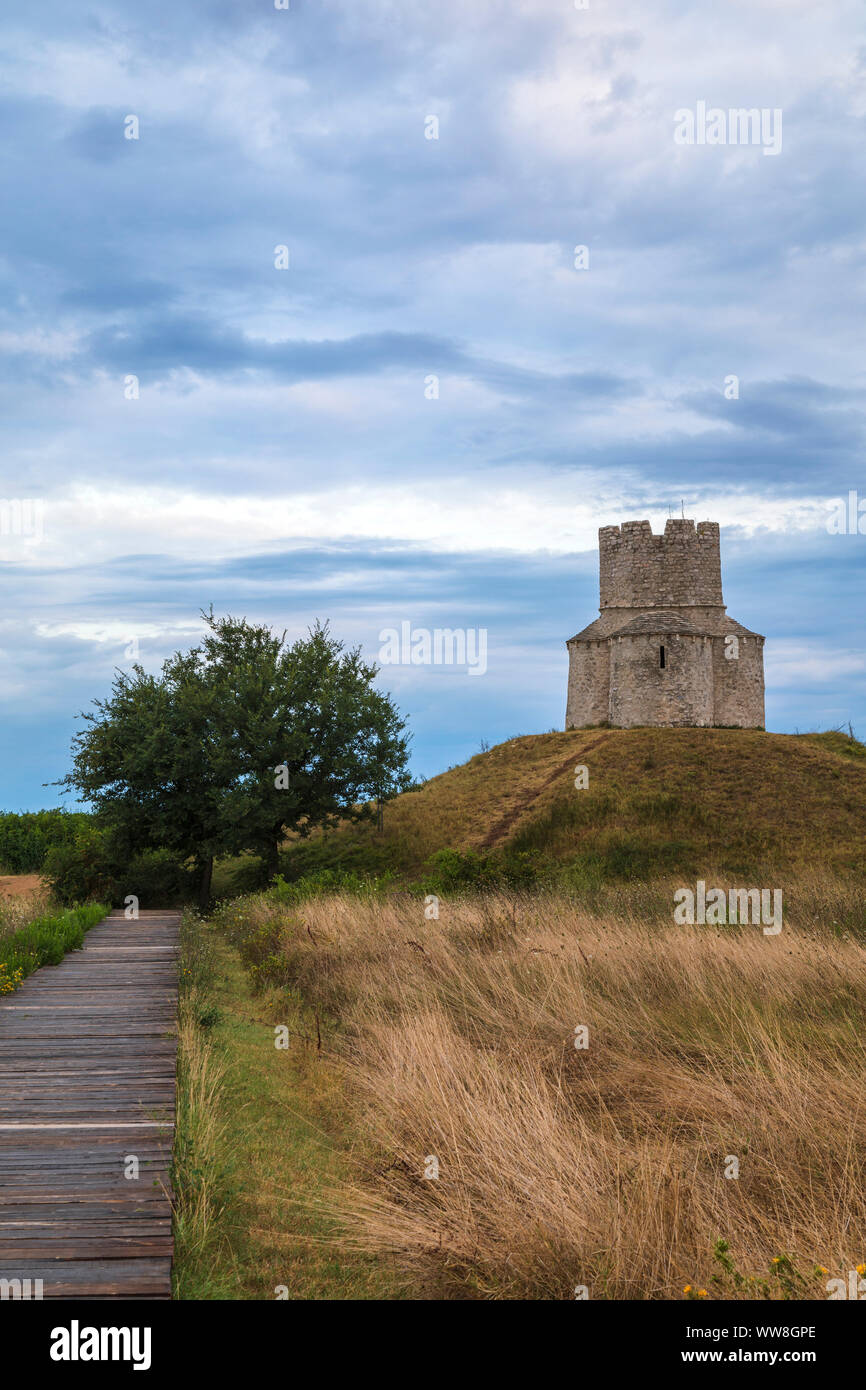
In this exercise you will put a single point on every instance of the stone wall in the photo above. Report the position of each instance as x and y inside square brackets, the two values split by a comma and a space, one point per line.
[588, 684]
[738, 683]
[640, 570]
[642, 691]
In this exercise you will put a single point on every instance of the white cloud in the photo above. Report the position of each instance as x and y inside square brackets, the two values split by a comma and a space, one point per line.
[116, 632]
[527, 511]
[791, 665]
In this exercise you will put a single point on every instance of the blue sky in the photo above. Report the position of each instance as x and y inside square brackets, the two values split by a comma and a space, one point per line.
[285, 459]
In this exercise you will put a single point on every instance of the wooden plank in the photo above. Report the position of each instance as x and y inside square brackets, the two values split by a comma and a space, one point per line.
[87, 1079]
[146, 1277]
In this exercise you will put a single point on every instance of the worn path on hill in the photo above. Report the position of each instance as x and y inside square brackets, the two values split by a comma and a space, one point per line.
[503, 826]
[87, 1086]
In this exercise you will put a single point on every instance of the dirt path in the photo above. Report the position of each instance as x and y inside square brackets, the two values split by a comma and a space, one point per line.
[503, 826]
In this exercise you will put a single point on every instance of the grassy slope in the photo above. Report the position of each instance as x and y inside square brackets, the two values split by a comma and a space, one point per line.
[658, 800]
[698, 1072]
[256, 1165]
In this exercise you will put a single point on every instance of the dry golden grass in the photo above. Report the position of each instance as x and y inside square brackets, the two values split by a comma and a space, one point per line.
[201, 1073]
[22, 886]
[23, 898]
[602, 1167]
[199, 1136]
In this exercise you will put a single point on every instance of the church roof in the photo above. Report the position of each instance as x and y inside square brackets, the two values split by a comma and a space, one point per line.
[588, 634]
[660, 622]
[663, 621]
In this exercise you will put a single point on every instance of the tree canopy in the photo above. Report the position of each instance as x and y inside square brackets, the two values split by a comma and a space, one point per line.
[238, 741]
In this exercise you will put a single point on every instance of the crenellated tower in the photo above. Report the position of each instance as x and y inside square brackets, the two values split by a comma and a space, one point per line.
[663, 650]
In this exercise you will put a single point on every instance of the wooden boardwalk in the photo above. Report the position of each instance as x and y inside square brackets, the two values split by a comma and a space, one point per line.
[87, 1087]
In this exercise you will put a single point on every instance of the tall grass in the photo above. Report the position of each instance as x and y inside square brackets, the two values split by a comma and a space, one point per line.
[28, 942]
[709, 1050]
[20, 911]
[198, 1170]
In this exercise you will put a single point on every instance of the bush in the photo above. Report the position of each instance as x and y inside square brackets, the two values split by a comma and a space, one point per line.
[82, 871]
[451, 870]
[325, 881]
[232, 878]
[342, 853]
[88, 870]
[156, 879]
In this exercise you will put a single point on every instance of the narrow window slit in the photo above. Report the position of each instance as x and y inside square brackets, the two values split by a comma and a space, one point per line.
[662, 657]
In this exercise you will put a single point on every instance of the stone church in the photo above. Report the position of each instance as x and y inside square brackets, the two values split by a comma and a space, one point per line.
[663, 650]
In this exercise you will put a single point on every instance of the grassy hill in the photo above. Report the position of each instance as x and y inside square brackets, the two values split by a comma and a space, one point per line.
[658, 801]
[455, 1036]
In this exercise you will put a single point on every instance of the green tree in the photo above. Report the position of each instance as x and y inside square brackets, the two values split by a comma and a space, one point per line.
[237, 741]
[312, 741]
[150, 764]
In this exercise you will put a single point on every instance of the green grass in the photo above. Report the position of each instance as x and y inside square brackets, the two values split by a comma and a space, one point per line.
[44, 941]
[261, 1139]
[659, 801]
[835, 741]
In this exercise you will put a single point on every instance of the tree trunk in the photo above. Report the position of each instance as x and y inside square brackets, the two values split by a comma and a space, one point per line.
[204, 885]
[272, 860]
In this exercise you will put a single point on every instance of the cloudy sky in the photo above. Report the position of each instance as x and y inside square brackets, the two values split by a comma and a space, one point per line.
[428, 413]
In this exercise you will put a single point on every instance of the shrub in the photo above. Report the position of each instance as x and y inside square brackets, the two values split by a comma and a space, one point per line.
[452, 870]
[156, 879]
[360, 853]
[82, 871]
[244, 873]
[89, 869]
[326, 881]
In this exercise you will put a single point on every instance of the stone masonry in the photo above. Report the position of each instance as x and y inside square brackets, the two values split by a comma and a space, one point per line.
[663, 650]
